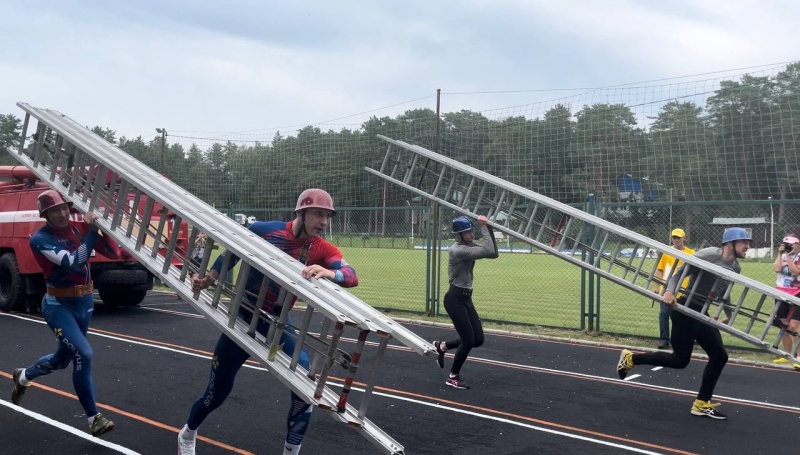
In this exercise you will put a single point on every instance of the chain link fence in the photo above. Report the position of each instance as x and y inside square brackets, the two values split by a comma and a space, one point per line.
[700, 154]
[391, 249]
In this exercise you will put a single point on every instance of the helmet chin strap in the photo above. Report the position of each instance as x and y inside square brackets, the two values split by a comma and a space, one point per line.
[302, 229]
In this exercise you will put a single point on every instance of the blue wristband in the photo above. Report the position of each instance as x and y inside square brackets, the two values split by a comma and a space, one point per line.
[339, 277]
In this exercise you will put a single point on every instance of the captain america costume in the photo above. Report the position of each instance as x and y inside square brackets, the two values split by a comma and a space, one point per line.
[229, 357]
[63, 255]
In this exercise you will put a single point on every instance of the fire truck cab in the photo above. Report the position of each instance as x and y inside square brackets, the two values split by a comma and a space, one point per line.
[121, 281]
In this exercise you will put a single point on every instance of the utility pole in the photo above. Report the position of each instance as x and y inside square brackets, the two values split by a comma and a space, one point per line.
[163, 132]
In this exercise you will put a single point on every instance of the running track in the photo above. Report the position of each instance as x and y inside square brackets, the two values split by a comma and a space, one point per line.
[528, 396]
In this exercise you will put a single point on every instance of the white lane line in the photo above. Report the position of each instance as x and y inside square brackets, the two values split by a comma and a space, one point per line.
[474, 359]
[632, 377]
[69, 429]
[656, 368]
[178, 313]
[472, 413]
[507, 421]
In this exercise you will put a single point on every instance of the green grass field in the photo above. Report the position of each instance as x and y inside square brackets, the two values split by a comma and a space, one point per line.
[531, 289]
[526, 289]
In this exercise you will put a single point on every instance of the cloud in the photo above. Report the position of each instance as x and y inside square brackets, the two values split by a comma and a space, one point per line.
[674, 38]
[233, 66]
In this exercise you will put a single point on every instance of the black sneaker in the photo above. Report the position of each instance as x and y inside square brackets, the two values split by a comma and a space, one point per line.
[457, 382]
[663, 346]
[440, 357]
[100, 425]
[707, 409]
[19, 389]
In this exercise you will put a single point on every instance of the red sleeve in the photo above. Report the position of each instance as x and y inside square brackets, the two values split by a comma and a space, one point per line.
[327, 255]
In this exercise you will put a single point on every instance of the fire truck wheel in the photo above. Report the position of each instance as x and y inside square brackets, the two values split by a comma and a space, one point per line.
[120, 296]
[12, 283]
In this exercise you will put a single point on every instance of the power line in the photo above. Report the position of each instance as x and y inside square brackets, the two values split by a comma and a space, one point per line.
[316, 123]
[620, 85]
[587, 89]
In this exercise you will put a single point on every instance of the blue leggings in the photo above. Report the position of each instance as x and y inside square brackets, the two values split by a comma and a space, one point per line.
[228, 359]
[69, 319]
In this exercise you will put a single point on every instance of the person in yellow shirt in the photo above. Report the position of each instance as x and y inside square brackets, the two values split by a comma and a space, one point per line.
[665, 265]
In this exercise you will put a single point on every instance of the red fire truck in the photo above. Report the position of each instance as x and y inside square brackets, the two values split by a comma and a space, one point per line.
[120, 281]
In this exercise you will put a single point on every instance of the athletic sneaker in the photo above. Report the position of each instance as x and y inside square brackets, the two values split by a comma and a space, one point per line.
[186, 446]
[457, 382]
[780, 360]
[708, 409]
[19, 389]
[625, 363]
[100, 425]
[440, 356]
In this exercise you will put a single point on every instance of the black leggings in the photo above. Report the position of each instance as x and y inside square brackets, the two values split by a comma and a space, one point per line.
[685, 331]
[466, 322]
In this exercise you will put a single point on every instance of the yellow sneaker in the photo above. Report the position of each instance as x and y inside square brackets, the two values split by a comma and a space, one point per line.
[625, 363]
[780, 360]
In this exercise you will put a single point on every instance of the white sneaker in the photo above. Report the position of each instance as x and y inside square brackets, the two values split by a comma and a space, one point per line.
[186, 446]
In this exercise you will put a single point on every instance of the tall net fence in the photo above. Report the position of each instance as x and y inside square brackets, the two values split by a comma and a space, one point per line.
[697, 153]
[716, 139]
[527, 286]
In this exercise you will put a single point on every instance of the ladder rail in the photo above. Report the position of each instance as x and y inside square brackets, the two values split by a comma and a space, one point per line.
[574, 212]
[160, 189]
[100, 178]
[542, 234]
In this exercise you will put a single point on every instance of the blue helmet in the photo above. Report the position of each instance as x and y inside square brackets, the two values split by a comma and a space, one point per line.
[461, 224]
[733, 234]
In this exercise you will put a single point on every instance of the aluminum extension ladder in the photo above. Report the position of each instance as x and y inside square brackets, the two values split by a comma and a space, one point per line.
[563, 231]
[79, 163]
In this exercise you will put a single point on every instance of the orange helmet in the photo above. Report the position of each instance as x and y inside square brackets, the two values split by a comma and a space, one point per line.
[314, 198]
[50, 199]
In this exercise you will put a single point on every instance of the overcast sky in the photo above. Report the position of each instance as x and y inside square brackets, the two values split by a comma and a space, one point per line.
[235, 65]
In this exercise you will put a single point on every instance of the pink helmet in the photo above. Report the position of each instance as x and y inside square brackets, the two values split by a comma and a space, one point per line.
[314, 198]
[50, 199]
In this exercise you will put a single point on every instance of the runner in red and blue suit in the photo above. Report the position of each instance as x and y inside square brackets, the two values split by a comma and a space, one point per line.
[301, 239]
[62, 248]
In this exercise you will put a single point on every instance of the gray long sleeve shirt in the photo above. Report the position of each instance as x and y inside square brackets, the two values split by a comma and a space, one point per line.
[704, 288]
[461, 258]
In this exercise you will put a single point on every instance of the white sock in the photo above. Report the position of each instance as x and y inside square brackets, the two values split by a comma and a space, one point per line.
[91, 419]
[291, 449]
[186, 433]
[23, 380]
